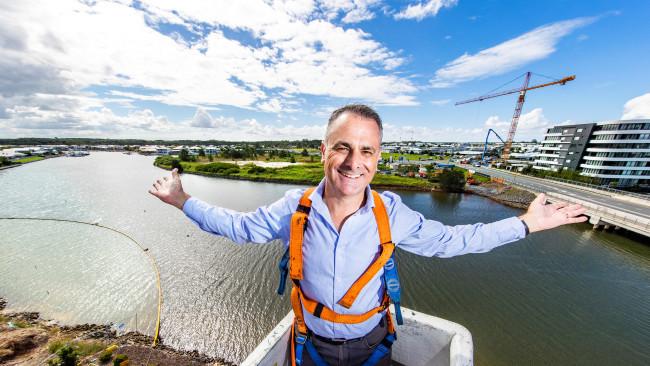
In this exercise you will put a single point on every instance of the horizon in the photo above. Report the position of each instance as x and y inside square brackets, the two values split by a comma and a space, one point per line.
[248, 70]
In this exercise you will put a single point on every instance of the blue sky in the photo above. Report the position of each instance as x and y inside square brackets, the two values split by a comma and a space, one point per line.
[258, 70]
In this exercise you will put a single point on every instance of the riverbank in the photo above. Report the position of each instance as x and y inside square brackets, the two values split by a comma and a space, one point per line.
[26, 338]
[502, 193]
[303, 174]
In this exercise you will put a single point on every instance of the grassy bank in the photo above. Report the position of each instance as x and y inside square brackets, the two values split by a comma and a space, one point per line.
[29, 159]
[308, 174]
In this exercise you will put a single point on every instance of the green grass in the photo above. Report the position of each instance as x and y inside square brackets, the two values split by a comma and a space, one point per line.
[308, 173]
[414, 157]
[82, 348]
[29, 159]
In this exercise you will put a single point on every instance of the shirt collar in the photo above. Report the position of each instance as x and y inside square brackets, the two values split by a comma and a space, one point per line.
[317, 202]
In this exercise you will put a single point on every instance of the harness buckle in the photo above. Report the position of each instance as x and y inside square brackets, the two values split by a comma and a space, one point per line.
[300, 337]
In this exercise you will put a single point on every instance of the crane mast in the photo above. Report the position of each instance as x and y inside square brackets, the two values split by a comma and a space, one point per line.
[518, 108]
[515, 118]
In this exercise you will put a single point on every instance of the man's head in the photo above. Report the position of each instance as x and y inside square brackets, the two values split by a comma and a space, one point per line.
[351, 150]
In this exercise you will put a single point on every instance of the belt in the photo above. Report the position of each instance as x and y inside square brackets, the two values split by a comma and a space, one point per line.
[336, 341]
[340, 341]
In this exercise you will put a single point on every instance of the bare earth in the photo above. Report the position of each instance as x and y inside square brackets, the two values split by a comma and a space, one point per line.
[24, 340]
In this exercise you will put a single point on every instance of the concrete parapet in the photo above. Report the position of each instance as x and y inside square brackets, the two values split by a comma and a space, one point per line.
[599, 215]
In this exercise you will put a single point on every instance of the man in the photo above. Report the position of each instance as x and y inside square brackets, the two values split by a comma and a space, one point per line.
[341, 237]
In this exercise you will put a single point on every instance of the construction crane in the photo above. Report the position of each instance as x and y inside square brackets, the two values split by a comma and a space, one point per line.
[520, 104]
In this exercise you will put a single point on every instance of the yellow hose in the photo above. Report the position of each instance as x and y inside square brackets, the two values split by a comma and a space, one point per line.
[144, 250]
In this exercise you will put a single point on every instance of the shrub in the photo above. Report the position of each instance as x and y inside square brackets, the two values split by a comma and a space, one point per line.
[256, 170]
[292, 159]
[119, 359]
[105, 357]
[452, 180]
[67, 356]
[219, 168]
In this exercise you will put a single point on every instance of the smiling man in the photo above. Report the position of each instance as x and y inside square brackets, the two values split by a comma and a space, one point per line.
[340, 237]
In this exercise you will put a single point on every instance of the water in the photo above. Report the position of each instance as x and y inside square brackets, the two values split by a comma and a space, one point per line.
[569, 296]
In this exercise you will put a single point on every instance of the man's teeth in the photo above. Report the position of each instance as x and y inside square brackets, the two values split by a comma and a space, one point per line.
[351, 175]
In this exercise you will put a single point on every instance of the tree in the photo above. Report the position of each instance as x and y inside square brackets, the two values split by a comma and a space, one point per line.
[184, 155]
[177, 165]
[304, 152]
[292, 159]
[201, 152]
[452, 180]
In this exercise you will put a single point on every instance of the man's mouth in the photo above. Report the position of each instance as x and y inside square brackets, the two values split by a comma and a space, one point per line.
[350, 175]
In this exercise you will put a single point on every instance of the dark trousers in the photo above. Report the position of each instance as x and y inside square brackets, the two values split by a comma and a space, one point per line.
[351, 353]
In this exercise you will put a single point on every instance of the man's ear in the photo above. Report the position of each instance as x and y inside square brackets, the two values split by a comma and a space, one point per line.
[322, 152]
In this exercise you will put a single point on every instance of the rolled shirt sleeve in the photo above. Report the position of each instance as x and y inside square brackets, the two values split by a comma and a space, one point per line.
[413, 233]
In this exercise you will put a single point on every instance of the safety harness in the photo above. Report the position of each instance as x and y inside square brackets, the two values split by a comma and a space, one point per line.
[291, 263]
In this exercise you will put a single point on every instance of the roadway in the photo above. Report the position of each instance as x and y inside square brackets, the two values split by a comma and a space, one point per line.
[605, 199]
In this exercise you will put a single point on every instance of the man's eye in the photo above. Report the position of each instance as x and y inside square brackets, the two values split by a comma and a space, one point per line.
[341, 148]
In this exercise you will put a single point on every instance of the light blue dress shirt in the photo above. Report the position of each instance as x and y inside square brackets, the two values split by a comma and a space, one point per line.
[333, 260]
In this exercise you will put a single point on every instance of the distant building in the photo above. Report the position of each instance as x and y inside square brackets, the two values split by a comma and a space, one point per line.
[619, 151]
[563, 147]
[614, 151]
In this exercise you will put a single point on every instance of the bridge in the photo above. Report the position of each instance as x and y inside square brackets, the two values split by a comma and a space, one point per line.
[605, 208]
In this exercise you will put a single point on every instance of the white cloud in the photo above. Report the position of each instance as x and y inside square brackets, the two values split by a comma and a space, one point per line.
[227, 128]
[429, 8]
[440, 102]
[507, 56]
[355, 10]
[294, 51]
[637, 108]
[530, 125]
[402, 132]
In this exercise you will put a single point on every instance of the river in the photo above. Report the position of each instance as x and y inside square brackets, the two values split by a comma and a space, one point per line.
[571, 296]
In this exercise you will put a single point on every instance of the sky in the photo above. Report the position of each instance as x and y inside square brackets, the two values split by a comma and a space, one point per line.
[275, 69]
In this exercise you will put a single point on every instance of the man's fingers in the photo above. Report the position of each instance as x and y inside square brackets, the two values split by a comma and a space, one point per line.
[575, 220]
[165, 179]
[559, 205]
[577, 212]
[159, 182]
[175, 173]
[156, 186]
[540, 199]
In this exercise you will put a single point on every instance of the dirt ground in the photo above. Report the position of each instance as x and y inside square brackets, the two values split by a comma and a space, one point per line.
[25, 339]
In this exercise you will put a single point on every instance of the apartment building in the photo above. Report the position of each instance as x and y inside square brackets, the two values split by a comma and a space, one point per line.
[613, 151]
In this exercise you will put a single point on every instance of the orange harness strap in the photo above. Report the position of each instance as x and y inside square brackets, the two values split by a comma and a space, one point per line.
[387, 248]
[321, 311]
[298, 225]
[298, 298]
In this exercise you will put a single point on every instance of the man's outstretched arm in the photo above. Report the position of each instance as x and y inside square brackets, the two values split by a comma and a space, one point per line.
[260, 226]
[425, 237]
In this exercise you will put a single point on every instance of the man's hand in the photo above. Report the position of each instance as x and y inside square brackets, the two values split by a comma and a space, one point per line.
[170, 190]
[541, 216]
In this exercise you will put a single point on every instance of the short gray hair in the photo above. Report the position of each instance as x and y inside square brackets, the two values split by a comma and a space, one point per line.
[360, 110]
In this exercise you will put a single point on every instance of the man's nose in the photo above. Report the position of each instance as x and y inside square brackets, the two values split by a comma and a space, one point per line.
[353, 160]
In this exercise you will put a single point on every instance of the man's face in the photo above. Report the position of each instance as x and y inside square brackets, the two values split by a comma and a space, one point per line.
[350, 154]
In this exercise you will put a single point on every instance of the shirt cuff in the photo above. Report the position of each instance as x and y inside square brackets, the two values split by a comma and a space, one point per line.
[193, 208]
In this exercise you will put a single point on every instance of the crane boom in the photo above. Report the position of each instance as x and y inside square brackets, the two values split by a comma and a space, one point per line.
[513, 91]
[518, 108]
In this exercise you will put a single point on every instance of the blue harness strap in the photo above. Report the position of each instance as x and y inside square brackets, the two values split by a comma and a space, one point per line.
[381, 350]
[393, 288]
[300, 341]
[313, 354]
[284, 270]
